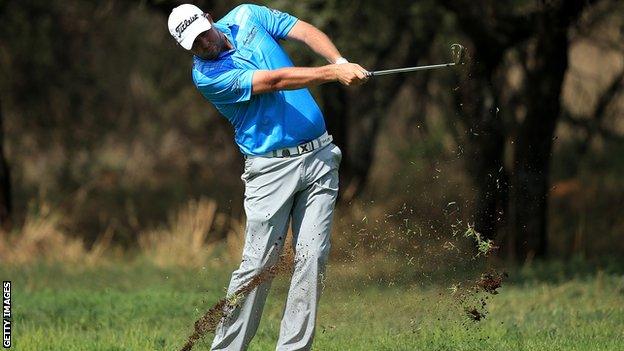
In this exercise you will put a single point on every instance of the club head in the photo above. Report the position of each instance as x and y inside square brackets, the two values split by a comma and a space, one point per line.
[458, 52]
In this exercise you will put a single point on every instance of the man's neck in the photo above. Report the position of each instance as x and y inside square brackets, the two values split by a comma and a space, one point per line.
[228, 44]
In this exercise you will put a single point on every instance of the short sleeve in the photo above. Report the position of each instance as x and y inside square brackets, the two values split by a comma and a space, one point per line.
[277, 23]
[226, 86]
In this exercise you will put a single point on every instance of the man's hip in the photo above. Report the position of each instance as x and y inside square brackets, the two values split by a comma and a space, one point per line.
[300, 149]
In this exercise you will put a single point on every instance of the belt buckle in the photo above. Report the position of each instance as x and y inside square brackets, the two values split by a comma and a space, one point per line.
[303, 148]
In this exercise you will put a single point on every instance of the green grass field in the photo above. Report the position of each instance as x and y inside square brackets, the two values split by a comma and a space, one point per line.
[136, 306]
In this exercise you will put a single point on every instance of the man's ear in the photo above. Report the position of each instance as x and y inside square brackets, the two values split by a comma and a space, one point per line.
[208, 17]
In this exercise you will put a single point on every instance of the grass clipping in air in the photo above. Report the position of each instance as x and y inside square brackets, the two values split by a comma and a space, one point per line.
[224, 307]
[484, 246]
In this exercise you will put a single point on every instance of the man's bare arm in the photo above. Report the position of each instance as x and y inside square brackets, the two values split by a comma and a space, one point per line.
[313, 37]
[292, 78]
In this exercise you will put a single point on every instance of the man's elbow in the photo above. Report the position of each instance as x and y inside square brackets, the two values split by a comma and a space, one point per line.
[266, 82]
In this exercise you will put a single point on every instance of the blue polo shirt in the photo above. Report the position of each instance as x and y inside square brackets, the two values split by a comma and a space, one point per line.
[262, 122]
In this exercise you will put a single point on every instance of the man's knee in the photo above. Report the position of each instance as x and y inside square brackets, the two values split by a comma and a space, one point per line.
[315, 254]
[254, 265]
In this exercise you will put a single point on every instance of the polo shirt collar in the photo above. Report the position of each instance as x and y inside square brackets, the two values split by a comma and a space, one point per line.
[225, 29]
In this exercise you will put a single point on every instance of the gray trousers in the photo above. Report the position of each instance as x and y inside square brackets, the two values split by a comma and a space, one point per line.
[303, 188]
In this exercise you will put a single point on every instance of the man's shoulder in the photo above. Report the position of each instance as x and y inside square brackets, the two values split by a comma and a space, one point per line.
[241, 14]
[206, 71]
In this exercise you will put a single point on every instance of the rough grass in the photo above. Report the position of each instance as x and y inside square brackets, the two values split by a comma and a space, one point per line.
[139, 306]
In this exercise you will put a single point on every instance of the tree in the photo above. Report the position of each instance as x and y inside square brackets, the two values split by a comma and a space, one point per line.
[478, 102]
[541, 37]
[5, 182]
[545, 71]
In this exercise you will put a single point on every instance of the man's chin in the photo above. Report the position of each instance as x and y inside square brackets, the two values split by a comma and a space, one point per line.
[207, 57]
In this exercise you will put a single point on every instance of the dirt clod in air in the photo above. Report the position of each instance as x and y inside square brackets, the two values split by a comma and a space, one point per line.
[473, 297]
[475, 314]
[224, 307]
[490, 282]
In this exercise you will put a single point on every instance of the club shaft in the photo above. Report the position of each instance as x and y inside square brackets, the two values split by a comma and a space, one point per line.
[410, 69]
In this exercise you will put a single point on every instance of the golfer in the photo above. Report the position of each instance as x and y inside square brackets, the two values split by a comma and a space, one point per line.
[291, 165]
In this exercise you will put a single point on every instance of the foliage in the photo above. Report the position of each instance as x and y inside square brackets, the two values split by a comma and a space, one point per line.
[102, 122]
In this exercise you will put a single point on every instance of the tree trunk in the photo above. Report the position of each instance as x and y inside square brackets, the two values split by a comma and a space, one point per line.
[545, 74]
[490, 177]
[5, 182]
[485, 154]
[478, 102]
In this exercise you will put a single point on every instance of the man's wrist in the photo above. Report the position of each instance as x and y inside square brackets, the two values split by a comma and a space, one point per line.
[330, 73]
[341, 60]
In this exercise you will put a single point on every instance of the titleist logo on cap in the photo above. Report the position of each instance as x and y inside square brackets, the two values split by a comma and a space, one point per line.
[184, 24]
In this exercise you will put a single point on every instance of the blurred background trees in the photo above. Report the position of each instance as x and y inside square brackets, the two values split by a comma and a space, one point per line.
[101, 121]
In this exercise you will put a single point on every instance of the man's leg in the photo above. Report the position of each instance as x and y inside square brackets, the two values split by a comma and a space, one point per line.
[269, 188]
[312, 216]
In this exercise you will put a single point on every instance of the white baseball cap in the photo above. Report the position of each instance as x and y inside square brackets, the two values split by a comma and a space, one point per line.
[186, 22]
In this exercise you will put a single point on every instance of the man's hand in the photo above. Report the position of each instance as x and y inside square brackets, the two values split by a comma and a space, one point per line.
[350, 73]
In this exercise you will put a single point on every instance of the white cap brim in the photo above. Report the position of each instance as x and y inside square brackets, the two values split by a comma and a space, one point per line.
[195, 29]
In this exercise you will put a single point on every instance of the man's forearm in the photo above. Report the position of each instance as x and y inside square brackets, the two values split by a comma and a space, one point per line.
[292, 78]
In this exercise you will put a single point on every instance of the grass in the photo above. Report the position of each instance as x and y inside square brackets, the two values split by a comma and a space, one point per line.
[140, 306]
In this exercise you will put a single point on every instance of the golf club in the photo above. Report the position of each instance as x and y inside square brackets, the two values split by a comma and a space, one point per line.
[458, 53]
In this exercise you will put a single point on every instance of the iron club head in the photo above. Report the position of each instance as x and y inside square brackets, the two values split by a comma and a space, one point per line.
[458, 52]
